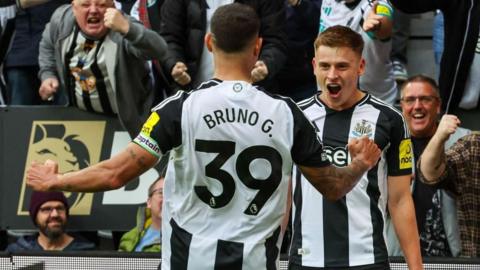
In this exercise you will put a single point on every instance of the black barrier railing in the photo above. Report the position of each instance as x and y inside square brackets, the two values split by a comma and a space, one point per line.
[104, 260]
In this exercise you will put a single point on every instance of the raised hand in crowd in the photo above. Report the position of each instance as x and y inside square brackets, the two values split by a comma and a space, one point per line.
[259, 71]
[180, 75]
[447, 126]
[114, 19]
[433, 163]
[377, 22]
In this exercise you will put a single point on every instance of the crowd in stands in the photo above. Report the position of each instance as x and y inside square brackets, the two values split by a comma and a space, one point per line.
[121, 58]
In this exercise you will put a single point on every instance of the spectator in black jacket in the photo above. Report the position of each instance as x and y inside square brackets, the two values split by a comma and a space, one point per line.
[22, 3]
[296, 79]
[184, 24]
[21, 63]
[459, 81]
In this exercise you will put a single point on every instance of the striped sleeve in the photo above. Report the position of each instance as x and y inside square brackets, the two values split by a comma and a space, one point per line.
[307, 149]
[400, 153]
[162, 130]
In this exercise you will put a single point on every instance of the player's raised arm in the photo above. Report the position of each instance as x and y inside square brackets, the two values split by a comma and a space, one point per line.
[106, 175]
[334, 182]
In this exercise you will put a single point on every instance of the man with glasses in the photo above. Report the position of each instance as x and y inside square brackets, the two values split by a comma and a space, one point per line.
[146, 236]
[434, 207]
[49, 213]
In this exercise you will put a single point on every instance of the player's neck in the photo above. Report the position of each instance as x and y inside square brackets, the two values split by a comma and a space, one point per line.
[340, 105]
[233, 69]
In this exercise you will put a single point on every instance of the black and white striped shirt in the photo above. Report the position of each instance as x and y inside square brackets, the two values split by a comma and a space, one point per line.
[349, 232]
[232, 148]
[87, 68]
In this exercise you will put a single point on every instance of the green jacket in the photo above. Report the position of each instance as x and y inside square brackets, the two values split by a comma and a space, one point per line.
[130, 239]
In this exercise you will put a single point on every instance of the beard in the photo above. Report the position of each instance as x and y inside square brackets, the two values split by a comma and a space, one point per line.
[53, 233]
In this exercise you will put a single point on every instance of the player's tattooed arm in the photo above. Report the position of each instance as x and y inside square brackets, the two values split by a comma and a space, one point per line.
[334, 182]
[106, 175]
[139, 160]
[112, 173]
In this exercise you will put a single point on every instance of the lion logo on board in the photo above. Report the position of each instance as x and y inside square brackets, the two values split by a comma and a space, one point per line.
[74, 145]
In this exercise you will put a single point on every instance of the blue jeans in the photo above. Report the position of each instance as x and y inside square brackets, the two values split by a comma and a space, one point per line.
[22, 85]
[438, 40]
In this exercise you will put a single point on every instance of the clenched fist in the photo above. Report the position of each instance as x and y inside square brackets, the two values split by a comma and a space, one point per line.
[114, 19]
[48, 88]
[364, 150]
[180, 75]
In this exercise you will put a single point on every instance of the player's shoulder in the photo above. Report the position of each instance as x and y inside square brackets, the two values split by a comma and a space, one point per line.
[208, 84]
[175, 100]
[388, 114]
[274, 96]
[182, 95]
[385, 108]
[289, 103]
[309, 102]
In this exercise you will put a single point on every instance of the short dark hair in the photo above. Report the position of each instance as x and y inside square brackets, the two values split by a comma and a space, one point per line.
[234, 26]
[423, 79]
[340, 36]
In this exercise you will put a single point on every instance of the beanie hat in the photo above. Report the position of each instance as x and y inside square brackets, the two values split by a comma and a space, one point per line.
[38, 198]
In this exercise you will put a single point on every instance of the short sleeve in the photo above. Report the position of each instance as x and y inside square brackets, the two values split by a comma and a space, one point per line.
[162, 130]
[400, 153]
[307, 149]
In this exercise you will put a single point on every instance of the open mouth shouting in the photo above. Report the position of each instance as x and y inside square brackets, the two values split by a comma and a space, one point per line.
[93, 25]
[334, 88]
[93, 21]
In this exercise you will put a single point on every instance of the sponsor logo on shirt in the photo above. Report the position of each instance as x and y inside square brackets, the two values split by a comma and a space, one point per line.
[338, 156]
[405, 154]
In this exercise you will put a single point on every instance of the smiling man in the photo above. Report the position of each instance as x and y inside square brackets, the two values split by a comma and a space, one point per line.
[348, 233]
[96, 56]
[420, 103]
[49, 212]
[435, 208]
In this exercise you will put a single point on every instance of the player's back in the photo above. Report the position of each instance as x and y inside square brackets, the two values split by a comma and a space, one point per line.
[226, 183]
